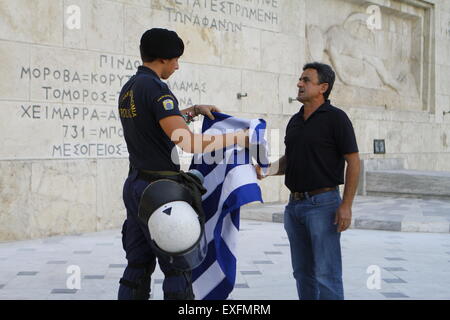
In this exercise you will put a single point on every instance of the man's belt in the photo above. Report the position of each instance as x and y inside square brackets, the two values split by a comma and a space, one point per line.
[306, 195]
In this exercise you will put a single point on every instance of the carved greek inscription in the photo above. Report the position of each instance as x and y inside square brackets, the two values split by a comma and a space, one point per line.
[87, 119]
[228, 16]
[82, 107]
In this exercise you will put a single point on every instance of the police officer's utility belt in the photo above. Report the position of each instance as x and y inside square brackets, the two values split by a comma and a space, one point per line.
[151, 176]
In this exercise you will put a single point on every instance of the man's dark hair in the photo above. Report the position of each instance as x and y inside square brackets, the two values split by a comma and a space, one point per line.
[326, 75]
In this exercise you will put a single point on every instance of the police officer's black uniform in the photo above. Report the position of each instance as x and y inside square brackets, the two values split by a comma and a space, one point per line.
[143, 102]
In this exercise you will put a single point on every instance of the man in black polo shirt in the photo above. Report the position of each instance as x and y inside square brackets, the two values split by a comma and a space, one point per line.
[152, 125]
[319, 140]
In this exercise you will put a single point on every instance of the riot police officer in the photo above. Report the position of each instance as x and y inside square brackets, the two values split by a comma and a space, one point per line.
[153, 125]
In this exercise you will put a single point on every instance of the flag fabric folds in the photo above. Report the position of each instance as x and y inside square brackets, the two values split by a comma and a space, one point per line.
[231, 182]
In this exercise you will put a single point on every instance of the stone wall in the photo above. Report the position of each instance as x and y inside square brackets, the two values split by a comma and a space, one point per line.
[63, 158]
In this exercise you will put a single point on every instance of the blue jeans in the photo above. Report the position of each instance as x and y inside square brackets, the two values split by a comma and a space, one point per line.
[315, 246]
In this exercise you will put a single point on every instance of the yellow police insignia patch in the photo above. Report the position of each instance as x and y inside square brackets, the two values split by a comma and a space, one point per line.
[168, 104]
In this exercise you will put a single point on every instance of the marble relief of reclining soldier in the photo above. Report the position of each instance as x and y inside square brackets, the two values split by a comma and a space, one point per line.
[354, 52]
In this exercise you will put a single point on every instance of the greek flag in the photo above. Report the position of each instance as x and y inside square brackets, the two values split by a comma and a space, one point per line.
[231, 182]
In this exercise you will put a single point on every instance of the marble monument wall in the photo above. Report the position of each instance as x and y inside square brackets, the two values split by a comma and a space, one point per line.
[62, 155]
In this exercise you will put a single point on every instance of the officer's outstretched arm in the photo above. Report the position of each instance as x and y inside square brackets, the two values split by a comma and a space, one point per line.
[176, 129]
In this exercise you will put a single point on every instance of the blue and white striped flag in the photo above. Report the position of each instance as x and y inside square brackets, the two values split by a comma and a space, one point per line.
[231, 182]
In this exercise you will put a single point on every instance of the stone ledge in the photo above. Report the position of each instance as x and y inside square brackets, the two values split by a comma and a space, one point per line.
[408, 182]
[372, 224]
[272, 213]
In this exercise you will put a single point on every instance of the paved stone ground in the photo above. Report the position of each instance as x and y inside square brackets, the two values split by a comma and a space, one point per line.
[411, 265]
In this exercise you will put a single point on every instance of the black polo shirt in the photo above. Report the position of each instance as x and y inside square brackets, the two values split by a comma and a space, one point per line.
[315, 148]
[143, 101]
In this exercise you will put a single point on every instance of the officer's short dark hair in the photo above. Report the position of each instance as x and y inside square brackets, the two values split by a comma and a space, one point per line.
[326, 75]
[160, 43]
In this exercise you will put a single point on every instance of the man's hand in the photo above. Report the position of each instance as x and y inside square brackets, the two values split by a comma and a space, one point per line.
[343, 217]
[205, 110]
